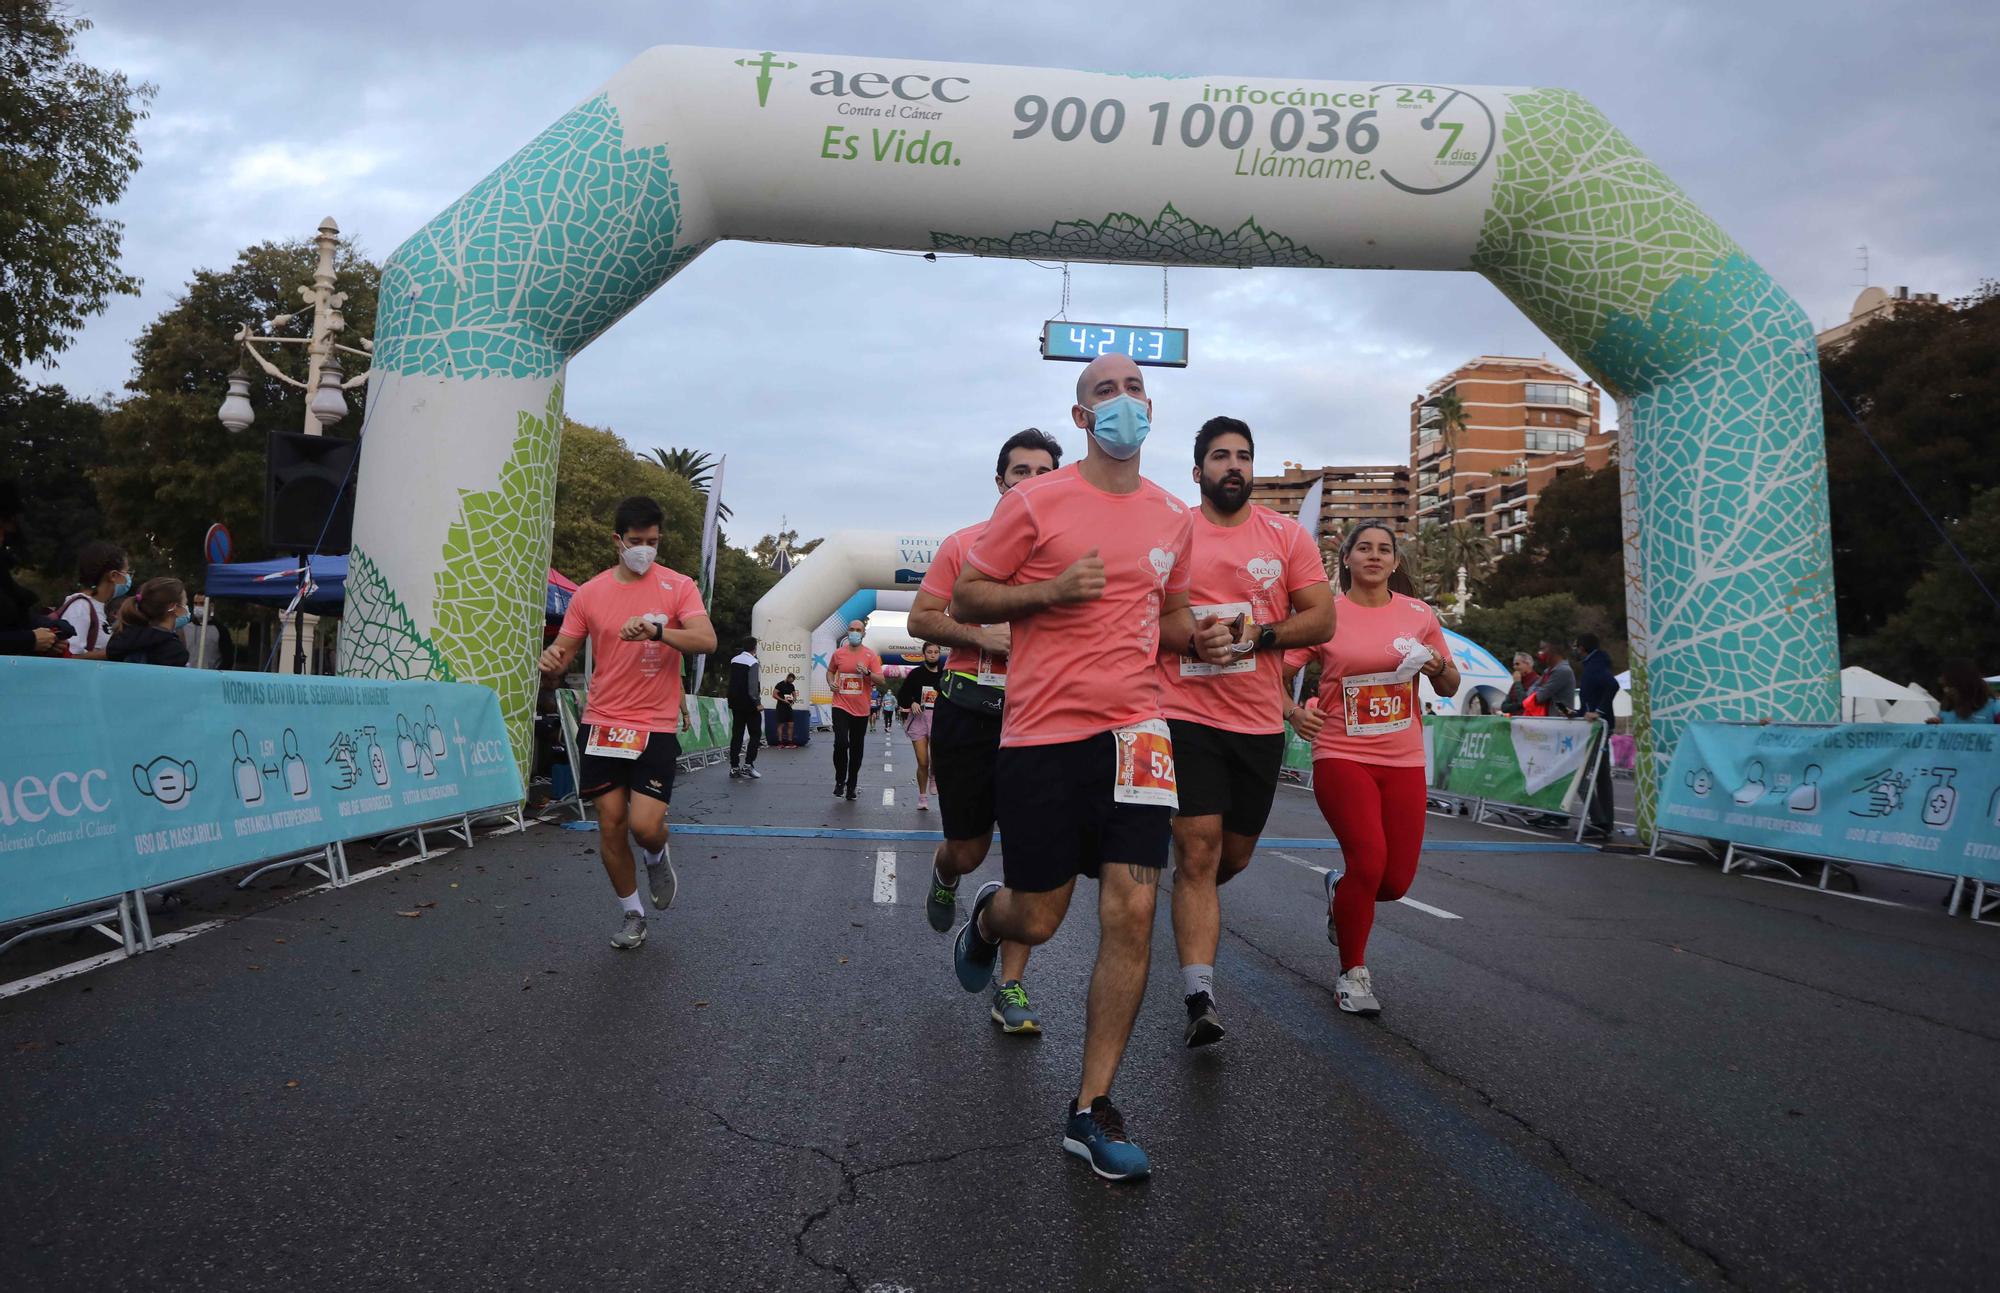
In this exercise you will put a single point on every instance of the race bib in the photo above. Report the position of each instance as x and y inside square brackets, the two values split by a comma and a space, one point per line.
[616, 742]
[1245, 663]
[930, 697]
[1145, 772]
[850, 684]
[992, 670]
[1377, 704]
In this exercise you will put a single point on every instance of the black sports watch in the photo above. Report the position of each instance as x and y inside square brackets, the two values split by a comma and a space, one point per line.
[1267, 637]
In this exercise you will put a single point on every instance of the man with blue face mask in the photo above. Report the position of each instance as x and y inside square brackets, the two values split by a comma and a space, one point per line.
[852, 674]
[1088, 565]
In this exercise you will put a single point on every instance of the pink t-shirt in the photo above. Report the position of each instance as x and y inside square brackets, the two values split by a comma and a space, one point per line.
[1251, 568]
[635, 684]
[1088, 667]
[1368, 642]
[851, 691]
[938, 582]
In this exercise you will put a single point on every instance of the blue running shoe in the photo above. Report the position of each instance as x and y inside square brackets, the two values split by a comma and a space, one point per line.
[1097, 1136]
[972, 956]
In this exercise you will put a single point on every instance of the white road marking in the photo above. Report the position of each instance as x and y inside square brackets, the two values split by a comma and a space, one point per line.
[888, 796]
[1424, 907]
[888, 767]
[885, 876]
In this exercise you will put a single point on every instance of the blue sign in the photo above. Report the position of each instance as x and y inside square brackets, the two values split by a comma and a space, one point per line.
[1917, 797]
[1083, 342]
[118, 777]
[216, 545]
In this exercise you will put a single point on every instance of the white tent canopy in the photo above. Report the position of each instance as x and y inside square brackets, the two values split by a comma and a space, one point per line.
[1868, 697]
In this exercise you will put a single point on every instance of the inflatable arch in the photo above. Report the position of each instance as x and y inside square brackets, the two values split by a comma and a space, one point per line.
[1727, 550]
[849, 576]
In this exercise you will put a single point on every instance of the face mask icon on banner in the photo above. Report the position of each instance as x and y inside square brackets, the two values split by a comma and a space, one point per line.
[165, 780]
[249, 785]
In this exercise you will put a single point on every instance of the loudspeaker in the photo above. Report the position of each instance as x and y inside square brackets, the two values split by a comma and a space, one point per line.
[309, 493]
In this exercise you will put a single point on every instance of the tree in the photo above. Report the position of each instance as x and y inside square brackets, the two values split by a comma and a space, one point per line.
[740, 579]
[1945, 613]
[48, 443]
[1526, 622]
[66, 150]
[1426, 560]
[1575, 544]
[171, 469]
[1927, 384]
[596, 470]
[696, 468]
[1451, 421]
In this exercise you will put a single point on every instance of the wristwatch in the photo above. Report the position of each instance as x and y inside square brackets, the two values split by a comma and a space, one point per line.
[1267, 637]
[659, 631]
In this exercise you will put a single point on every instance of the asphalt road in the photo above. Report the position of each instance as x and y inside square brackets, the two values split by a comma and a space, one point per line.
[1593, 1071]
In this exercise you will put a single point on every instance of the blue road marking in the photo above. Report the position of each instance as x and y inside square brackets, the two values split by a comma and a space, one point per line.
[864, 833]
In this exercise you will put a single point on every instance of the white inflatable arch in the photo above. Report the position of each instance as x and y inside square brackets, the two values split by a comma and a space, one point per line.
[1727, 550]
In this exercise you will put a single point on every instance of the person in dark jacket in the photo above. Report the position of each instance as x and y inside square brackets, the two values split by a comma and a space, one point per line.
[22, 632]
[149, 625]
[1557, 690]
[1598, 688]
[746, 708]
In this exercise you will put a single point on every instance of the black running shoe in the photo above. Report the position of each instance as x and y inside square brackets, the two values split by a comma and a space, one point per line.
[1204, 1026]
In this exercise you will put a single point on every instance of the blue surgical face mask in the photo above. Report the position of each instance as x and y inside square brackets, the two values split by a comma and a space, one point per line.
[122, 588]
[1119, 425]
[181, 620]
[853, 638]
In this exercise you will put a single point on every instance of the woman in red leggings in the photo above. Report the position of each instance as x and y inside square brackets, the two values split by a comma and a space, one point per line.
[1368, 743]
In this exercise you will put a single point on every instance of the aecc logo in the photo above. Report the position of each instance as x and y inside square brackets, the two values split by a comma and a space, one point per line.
[30, 799]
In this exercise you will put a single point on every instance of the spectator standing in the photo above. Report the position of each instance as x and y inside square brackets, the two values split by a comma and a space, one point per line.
[785, 693]
[1525, 679]
[149, 626]
[746, 708]
[1963, 696]
[102, 574]
[202, 639]
[1556, 692]
[1599, 686]
[19, 632]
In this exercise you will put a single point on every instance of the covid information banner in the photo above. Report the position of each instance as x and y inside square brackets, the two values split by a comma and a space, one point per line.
[1533, 762]
[1917, 797]
[117, 777]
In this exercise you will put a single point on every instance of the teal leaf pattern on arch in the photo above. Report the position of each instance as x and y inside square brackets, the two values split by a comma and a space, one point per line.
[1169, 238]
[492, 589]
[377, 637]
[538, 258]
[1716, 366]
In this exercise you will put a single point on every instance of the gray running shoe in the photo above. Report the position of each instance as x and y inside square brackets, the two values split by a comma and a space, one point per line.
[631, 933]
[752, 773]
[661, 880]
[1355, 992]
[941, 906]
[1012, 1012]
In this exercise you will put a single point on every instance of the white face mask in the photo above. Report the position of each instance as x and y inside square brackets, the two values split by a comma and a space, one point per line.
[638, 558]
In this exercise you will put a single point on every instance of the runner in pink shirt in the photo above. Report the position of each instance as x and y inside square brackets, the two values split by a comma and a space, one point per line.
[640, 617]
[1260, 573]
[1368, 743]
[1089, 565]
[965, 727]
[853, 672]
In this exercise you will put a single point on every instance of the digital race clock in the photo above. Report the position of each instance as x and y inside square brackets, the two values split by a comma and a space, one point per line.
[1083, 342]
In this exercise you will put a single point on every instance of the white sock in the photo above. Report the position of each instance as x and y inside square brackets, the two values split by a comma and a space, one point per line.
[630, 902]
[650, 858]
[1197, 978]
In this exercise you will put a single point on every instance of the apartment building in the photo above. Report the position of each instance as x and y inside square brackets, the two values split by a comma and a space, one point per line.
[1348, 494]
[1525, 422]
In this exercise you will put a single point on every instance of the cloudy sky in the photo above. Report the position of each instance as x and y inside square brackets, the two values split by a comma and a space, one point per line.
[1804, 129]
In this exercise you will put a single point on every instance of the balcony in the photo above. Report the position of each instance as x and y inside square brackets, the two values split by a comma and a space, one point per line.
[1556, 395]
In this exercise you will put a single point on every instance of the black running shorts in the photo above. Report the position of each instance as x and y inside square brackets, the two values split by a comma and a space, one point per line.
[1226, 773]
[651, 774]
[964, 745]
[1059, 821]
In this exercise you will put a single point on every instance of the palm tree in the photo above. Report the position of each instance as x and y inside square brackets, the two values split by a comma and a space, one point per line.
[695, 467]
[1451, 421]
[1426, 558]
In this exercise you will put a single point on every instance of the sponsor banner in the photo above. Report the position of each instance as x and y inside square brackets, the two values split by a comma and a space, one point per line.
[1533, 762]
[1916, 797]
[118, 777]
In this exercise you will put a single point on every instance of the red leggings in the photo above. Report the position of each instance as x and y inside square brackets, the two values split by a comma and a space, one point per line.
[1377, 814]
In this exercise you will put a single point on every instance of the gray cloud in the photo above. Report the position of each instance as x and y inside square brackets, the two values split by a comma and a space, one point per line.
[1803, 128]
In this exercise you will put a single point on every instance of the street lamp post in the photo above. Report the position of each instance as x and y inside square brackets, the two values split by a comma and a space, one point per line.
[326, 384]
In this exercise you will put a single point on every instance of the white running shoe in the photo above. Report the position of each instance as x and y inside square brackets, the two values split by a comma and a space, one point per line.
[752, 773]
[1356, 992]
[923, 803]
